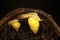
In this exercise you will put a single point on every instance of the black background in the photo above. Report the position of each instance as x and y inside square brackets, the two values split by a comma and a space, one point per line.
[45, 5]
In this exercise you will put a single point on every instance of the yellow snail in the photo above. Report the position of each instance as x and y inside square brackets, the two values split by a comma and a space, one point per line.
[33, 21]
[34, 24]
[15, 24]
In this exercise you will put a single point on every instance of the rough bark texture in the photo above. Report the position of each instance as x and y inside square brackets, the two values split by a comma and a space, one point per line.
[48, 30]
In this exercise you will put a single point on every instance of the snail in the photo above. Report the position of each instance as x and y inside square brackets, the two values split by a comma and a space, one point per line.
[15, 24]
[33, 21]
[34, 24]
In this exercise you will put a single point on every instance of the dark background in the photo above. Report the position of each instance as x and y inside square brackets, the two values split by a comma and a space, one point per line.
[45, 5]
